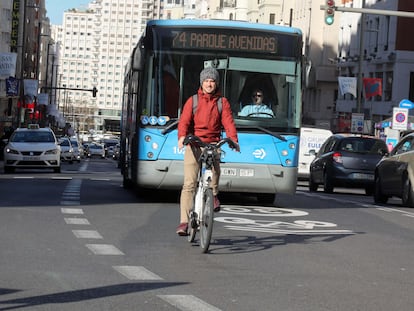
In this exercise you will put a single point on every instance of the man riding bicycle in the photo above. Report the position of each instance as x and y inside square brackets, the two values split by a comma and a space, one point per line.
[206, 123]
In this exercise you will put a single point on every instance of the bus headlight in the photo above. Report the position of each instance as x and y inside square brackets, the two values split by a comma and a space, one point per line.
[285, 153]
[147, 138]
[155, 146]
[292, 146]
[288, 162]
[150, 155]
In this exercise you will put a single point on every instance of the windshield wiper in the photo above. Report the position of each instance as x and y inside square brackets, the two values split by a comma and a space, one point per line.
[265, 130]
[173, 125]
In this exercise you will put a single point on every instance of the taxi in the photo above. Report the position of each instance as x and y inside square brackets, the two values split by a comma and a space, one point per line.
[32, 147]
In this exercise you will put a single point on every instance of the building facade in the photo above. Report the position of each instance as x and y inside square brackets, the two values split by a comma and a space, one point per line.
[92, 46]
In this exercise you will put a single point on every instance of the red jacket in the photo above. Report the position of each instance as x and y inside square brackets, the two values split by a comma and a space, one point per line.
[208, 121]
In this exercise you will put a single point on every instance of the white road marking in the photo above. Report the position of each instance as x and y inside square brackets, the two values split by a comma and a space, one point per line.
[390, 210]
[104, 249]
[77, 221]
[69, 203]
[87, 234]
[188, 303]
[292, 232]
[136, 273]
[78, 211]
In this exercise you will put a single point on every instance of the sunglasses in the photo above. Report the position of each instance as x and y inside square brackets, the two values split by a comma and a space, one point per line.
[257, 95]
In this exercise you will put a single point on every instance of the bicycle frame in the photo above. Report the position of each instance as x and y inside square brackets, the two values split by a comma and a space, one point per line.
[201, 216]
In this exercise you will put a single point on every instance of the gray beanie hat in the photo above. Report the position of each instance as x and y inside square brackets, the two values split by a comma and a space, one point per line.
[209, 73]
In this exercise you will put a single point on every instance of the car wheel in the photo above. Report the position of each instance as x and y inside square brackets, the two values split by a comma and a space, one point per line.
[327, 183]
[407, 193]
[312, 185]
[379, 197]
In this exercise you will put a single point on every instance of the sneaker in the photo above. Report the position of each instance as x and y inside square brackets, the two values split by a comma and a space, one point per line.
[216, 204]
[182, 229]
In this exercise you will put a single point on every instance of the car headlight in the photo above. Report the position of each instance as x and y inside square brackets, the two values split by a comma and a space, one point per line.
[53, 151]
[13, 151]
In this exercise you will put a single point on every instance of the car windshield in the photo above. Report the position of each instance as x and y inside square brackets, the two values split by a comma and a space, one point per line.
[32, 137]
[95, 147]
[74, 143]
[363, 145]
[64, 142]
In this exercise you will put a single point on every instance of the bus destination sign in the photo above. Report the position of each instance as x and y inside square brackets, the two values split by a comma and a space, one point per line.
[252, 42]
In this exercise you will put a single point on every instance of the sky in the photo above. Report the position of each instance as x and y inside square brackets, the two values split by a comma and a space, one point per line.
[55, 8]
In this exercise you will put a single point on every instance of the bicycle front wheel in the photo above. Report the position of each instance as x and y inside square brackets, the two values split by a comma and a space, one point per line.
[206, 225]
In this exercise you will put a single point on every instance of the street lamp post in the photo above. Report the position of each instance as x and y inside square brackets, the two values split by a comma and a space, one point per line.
[360, 61]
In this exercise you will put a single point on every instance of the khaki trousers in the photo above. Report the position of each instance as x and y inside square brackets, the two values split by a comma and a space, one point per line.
[191, 170]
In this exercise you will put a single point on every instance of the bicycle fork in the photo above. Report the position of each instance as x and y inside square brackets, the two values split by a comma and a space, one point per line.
[204, 183]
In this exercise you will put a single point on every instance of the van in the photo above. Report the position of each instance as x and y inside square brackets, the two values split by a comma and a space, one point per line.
[311, 139]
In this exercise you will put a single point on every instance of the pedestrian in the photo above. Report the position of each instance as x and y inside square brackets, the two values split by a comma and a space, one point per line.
[206, 123]
[257, 108]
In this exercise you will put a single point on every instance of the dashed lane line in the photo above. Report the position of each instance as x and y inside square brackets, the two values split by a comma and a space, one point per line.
[77, 221]
[87, 234]
[104, 249]
[137, 273]
[71, 197]
[188, 303]
[73, 211]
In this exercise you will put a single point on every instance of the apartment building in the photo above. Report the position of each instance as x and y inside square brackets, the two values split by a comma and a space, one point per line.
[96, 43]
[92, 46]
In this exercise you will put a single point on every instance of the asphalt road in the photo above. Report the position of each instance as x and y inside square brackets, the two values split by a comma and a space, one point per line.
[79, 241]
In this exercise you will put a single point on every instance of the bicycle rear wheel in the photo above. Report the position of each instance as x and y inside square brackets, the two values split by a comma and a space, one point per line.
[206, 225]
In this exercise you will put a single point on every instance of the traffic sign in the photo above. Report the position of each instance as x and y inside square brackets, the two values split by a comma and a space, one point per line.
[405, 103]
[400, 119]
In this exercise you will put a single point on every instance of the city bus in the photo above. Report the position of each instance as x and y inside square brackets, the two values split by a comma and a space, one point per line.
[163, 72]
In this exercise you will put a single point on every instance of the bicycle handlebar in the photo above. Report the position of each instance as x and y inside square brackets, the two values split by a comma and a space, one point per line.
[196, 140]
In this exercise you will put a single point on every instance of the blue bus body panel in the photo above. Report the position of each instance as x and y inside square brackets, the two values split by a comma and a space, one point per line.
[265, 164]
[256, 149]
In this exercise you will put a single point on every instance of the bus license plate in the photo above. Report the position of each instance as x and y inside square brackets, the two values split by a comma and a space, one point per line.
[229, 172]
[246, 172]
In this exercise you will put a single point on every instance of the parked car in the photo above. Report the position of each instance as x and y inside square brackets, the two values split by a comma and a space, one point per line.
[66, 149]
[394, 174]
[32, 147]
[96, 150]
[346, 160]
[77, 149]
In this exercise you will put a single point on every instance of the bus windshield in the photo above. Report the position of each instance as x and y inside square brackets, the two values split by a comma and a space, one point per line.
[172, 76]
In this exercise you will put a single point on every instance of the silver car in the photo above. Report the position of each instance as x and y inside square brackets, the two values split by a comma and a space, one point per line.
[66, 150]
[77, 149]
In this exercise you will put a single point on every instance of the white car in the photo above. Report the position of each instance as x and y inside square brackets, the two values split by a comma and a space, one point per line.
[32, 147]
[77, 149]
[96, 150]
[66, 150]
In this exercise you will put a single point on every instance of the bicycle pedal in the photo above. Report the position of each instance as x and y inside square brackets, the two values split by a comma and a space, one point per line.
[194, 224]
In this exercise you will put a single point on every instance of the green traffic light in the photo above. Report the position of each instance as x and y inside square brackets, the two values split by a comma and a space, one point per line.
[329, 20]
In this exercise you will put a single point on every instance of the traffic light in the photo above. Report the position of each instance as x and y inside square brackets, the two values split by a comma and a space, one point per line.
[94, 91]
[329, 12]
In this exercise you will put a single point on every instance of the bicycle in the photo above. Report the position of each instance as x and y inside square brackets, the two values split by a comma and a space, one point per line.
[201, 215]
